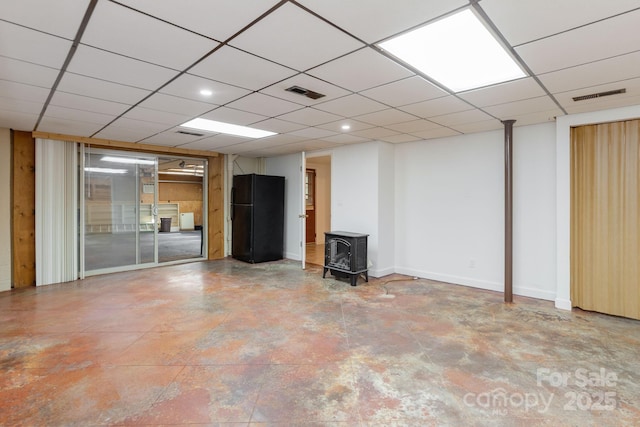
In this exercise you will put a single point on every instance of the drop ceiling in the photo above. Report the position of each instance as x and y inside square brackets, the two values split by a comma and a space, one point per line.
[132, 70]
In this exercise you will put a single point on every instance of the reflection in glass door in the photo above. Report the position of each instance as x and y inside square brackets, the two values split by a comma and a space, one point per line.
[120, 201]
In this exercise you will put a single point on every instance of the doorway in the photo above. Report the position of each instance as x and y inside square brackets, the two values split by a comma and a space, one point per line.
[318, 206]
[139, 210]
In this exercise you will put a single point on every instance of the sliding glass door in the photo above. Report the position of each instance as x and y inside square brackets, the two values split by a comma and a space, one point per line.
[119, 210]
[139, 210]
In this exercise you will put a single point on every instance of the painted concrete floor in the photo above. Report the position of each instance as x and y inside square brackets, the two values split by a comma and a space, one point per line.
[234, 344]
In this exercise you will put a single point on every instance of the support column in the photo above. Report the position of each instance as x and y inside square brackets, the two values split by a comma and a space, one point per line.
[508, 210]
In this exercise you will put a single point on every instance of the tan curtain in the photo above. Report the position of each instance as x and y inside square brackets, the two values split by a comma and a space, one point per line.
[605, 225]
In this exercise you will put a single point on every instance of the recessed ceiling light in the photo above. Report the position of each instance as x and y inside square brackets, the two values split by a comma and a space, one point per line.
[228, 128]
[206, 92]
[458, 51]
[346, 127]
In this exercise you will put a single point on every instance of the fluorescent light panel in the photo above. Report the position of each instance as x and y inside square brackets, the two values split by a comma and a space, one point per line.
[128, 160]
[106, 170]
[458, 51]
[220, 127]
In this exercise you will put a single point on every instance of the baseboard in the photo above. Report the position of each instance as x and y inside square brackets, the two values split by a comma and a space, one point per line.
[563, 304]
[480, 284]
[375, 272]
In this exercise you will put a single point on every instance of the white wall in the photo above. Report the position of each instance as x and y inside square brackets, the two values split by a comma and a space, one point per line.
[362, 199]
[449, 218]
[386, 209]
[5, 209]
[534, 211]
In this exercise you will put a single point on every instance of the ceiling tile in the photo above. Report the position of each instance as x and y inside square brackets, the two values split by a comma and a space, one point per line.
[143, 37]
[231, 115]
[32, 46]
[310, 117]
[524, 21]
[619, 68]
[483, 126]
[633, 91]
[23, 92]
[354, 125]
[171, 138]
[73, 114]
[375, 133]
[241, 69]
[584, 44]
[386, 117]
[19, 106]
[174, 104]
[67, 126]
[401, 138]
[345, 139]
[440, 132]
[534, 118]
[265, 105]
[84, 103]
[127, 134]
[502, 93]
[114, 68]
[414, 126]
[313, 133]
[469, 116]
[100, 89]
[307, 82]
[61, 17]
[373, 20]
[17, 71]
[350, 106]
[436, 107]
[347, 71]
[142, 127]
[156, 116]
[215, 142]
[406, 91]
[295, 38]
[219, 19]
[189, 86]
[17, 120]
[533, 105]
[256, 144]
[277, 125]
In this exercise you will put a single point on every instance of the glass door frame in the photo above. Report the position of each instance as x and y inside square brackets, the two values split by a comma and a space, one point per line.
[85, 149]
[88, 150]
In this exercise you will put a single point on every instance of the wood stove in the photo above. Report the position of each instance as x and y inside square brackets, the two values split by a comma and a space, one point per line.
[345, 255]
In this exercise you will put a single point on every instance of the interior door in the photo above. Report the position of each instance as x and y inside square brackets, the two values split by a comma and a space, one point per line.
[310, 205]
[605, 218]
[292, 168]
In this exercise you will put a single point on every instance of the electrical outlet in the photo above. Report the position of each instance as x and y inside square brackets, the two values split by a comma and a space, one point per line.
[472, 263]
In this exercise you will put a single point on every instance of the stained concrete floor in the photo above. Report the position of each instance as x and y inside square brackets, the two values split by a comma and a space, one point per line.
[234, 344]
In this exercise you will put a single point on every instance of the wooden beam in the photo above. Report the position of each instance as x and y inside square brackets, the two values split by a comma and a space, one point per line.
[129, 146]
[216, 207]
[23, 210]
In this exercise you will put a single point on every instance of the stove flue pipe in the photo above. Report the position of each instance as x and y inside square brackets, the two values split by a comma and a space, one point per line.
[508, 210]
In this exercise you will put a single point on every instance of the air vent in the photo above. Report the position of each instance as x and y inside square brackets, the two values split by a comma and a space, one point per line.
[184, 132]
[599, 95]
[304, 92]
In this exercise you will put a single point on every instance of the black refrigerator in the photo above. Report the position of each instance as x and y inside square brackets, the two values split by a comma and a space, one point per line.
[257, 209]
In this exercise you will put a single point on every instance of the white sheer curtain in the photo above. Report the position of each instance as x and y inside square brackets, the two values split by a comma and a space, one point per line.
[56, 211]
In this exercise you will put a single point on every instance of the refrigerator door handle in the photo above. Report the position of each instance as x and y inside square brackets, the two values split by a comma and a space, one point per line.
[233, 193]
